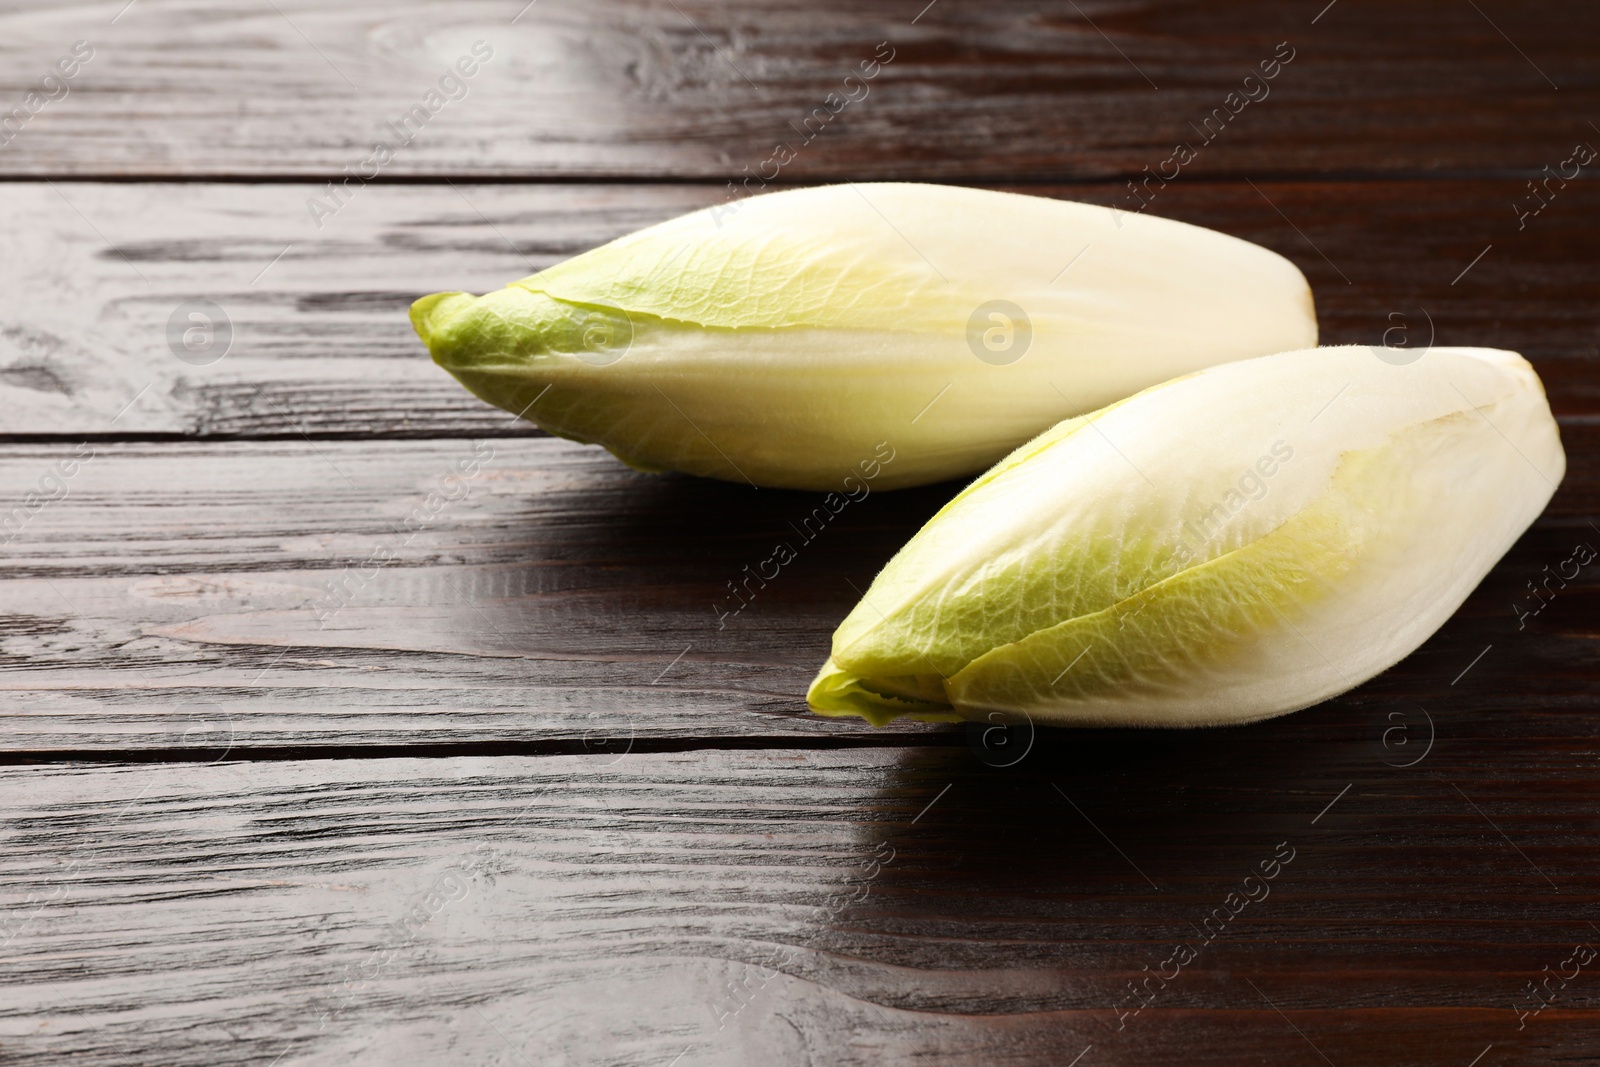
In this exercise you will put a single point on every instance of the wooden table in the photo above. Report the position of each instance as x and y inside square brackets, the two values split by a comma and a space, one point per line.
[515, 797]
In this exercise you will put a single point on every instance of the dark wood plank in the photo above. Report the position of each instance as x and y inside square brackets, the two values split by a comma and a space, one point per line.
[792, 906]
[262, 595]
[320, 338]
[321, 343]
[309, 593]
[627, 89]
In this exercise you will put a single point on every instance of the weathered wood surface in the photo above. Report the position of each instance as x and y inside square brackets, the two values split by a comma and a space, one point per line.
[342, 593]
[973, 91]
[795, 906]
[279, 594]
[321, 343]
[225, 785]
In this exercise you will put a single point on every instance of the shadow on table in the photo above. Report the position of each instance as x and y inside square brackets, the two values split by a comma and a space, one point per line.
[1113, 830]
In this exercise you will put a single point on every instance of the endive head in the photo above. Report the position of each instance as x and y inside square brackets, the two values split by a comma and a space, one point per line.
[1239, 543]
[782, 343]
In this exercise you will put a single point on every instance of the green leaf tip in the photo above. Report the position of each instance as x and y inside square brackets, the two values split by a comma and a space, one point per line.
[837, 692]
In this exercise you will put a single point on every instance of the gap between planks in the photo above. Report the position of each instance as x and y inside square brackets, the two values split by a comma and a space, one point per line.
[469, 177]
[452, 749]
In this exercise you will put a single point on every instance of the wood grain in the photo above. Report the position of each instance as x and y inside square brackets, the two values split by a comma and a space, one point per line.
[551, 593]
[262, 595]
[321, 344]
[796, 906]
[1031, 89]
[319, 750]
